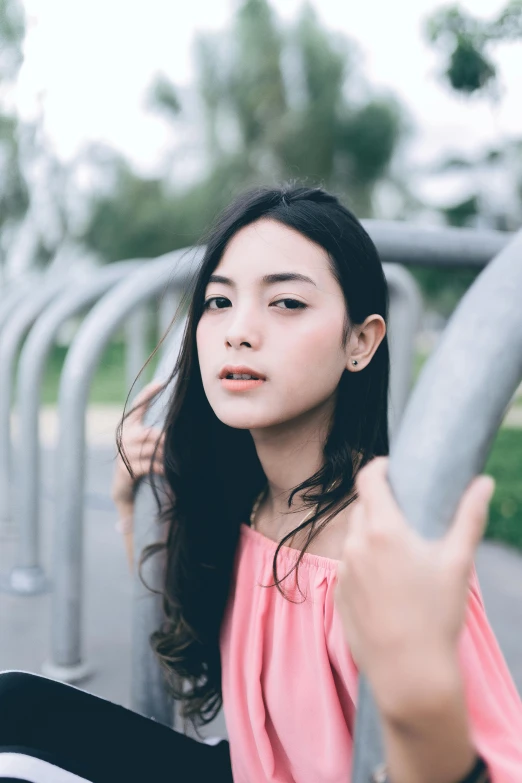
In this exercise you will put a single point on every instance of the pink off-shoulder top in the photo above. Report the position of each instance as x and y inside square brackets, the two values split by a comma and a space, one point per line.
[290, 683]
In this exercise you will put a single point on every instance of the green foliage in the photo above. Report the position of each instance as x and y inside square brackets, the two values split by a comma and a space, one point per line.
[141, 218]
[443, 288]
[504, 464]
[469, 70]
[13, 191]
[109, 384]
[14, 198]
[12, 31]
[255, 84]
[466, 39]
[459, 215]
[275, 107]
[137, 220]
[369, 137]
[163, 97]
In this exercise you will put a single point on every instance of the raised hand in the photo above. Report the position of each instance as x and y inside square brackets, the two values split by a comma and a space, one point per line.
[402, 599]
[139, 444]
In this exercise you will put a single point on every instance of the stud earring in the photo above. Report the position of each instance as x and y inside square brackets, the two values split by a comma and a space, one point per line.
[354, 362]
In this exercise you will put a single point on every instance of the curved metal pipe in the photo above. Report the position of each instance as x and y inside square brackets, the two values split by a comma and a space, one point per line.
[81, 362]
[28, 577]
[447, 429]
[409, 244]
[11, 337]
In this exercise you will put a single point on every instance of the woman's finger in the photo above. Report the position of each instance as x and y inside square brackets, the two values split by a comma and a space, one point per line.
[142, 400]
[159, 468]
[136, 440]
[143, 450]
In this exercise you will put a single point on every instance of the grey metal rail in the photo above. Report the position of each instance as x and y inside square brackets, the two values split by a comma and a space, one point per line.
[14, 292]
[148, 693]
[408, 244]
[173, 269]
[136, 328]
[28, 577]
[10, 339]
[448, 427]
[403, 323]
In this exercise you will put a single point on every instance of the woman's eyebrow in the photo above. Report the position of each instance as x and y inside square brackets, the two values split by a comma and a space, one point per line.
[279, 277]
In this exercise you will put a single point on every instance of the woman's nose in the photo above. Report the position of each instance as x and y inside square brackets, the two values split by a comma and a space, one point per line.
[243, 327]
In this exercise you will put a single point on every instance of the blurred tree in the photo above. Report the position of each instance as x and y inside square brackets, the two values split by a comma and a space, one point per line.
[460, 214]
[466, 40]
[275, 105]
[254, 84]
[135, 220]
[13, 190]
[286, 93]
[163, 96]
[494, 177]
[12, 32]
[33, 198]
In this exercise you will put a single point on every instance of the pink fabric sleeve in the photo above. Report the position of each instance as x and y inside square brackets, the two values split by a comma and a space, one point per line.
[494, 705]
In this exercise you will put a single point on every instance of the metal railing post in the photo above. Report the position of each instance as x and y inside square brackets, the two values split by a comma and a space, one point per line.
[106, 316]
[27, 578]
[15, 292]
[448, 428]
[149, 696]
[11, 337]
[136, 333]
[403, 322]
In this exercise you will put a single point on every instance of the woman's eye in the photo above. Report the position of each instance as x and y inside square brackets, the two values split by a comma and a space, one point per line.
[291, 304]
[207, 304]
[294, 304]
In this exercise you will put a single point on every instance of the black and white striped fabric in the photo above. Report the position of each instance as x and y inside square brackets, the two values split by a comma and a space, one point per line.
[56, 733]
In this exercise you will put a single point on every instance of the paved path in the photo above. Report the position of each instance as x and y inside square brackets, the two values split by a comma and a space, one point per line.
[25, 622]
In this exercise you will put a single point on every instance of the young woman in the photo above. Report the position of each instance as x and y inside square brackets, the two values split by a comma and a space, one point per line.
[289, 567]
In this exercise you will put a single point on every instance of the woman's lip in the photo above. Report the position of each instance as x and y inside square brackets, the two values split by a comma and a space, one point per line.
[240, 385]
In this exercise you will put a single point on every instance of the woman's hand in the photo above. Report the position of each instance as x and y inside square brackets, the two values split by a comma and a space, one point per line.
[139, 443]
[402, 599]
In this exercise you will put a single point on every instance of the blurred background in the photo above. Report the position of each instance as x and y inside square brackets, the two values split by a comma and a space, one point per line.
[125, 127]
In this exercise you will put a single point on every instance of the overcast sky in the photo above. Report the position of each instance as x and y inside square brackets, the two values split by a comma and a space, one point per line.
[90, 62]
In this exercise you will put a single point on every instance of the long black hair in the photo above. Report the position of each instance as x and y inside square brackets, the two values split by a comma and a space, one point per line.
[212, 470]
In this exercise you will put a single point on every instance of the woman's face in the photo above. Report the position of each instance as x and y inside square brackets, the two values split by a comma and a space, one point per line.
[288, 330]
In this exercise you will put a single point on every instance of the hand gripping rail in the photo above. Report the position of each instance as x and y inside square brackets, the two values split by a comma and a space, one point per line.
[447, 429]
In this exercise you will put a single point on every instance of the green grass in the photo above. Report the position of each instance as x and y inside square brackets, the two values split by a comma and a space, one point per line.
[504, 464]
[109, 385]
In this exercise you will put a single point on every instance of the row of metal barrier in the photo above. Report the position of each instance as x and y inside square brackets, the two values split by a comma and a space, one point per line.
[33, 310]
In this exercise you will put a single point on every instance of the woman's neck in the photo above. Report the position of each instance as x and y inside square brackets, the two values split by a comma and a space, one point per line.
[289, 454]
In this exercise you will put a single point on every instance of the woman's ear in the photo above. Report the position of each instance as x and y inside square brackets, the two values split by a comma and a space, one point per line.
[364, 341]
